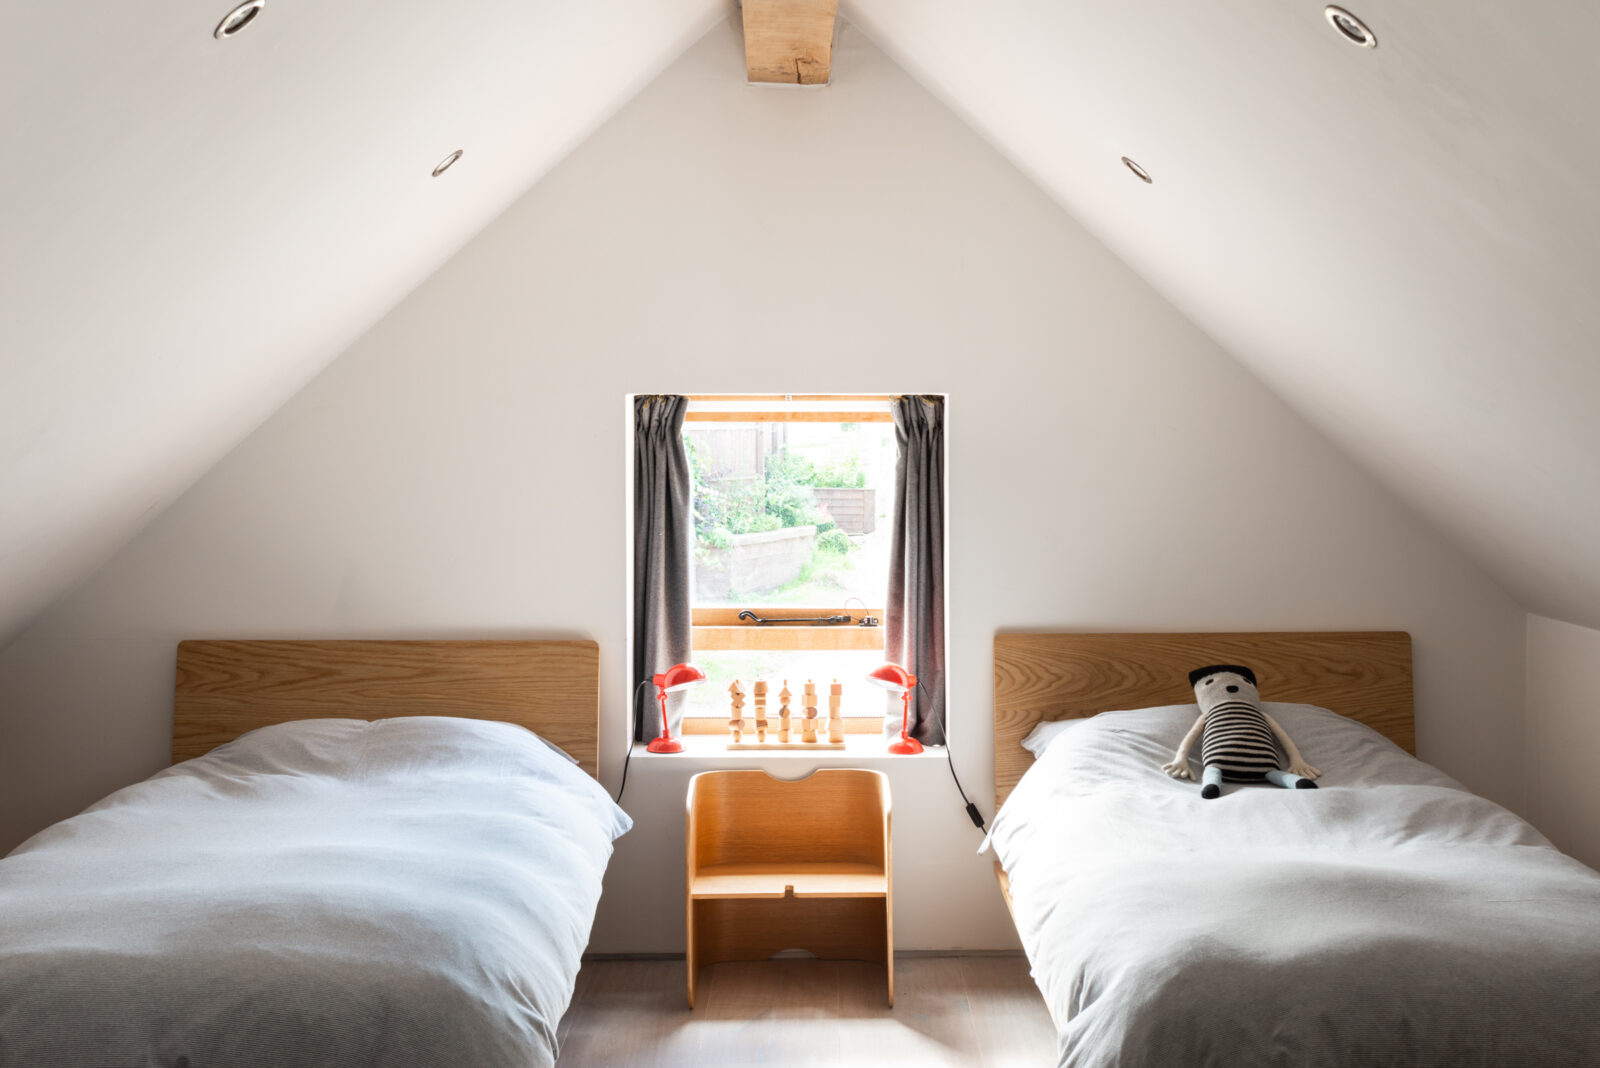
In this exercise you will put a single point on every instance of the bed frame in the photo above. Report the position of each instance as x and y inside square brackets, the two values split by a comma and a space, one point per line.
[225, 688]
[1365, 675]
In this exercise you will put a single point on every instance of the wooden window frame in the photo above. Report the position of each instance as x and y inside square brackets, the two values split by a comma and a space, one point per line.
[788, 417]
[721, 630]
[756, 414]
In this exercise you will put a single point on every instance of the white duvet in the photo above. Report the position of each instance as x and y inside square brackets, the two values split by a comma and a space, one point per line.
[1388, 918]
[404, 892]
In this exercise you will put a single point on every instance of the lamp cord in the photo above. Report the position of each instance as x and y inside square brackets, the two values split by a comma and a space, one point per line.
[972, 810]
[633, 728]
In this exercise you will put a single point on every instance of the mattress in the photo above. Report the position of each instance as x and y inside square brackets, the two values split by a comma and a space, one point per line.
[402, 892]
[1390, 917]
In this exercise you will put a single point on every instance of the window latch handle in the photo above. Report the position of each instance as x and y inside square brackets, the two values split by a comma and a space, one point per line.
[746, 614]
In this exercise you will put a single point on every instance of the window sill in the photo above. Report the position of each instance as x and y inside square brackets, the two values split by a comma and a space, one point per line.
[858, 749]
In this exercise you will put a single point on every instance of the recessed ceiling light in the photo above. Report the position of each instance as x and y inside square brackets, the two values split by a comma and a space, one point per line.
[446, 163]
[238, 19]
[1139, 172]
[1350, 28]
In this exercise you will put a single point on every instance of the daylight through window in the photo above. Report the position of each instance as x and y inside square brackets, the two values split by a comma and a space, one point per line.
[793, 507]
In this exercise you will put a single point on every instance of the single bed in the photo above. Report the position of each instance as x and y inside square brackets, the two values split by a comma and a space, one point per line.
[366, 853]
[1390, 917]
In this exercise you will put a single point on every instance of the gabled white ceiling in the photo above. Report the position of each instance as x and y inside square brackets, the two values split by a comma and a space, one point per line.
[1400, 241]
[192, 228]
[1403, 242]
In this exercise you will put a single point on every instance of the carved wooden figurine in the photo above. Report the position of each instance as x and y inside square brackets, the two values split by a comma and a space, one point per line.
[783, 712]
[810, 701]
[761, 705]
[736, 712]
[835, 717]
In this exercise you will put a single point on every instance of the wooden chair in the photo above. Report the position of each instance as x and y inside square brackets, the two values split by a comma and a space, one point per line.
[774, 865]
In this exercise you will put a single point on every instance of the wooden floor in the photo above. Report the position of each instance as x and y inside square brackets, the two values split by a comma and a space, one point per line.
[980, 1011]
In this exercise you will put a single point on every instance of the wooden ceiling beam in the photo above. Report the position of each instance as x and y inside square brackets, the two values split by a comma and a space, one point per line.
[789, 42]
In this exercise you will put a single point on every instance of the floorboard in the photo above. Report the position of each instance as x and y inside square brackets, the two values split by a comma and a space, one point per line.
[1009, 1017]
[970, 1011]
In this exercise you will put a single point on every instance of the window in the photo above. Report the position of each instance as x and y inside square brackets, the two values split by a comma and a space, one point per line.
[793, 507]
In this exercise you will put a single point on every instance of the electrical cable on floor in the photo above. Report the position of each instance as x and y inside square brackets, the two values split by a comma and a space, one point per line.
[633, 729]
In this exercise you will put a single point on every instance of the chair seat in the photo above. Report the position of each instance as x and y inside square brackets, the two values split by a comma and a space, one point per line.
[818, 879]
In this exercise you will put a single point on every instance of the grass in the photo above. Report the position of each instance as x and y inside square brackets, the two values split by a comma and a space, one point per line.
[820, 581]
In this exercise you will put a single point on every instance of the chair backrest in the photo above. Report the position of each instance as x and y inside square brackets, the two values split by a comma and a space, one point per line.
[748, 817]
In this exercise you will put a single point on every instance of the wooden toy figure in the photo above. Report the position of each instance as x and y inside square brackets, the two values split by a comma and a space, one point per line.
[783, 712]
[736, 712]
[761, 704]
[761, 720]
[810, 701]
[835, 718]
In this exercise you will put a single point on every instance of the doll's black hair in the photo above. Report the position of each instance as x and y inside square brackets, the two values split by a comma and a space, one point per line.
[1199, 673]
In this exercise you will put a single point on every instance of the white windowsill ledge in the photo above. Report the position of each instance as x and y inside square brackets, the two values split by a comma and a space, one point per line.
[859, 749]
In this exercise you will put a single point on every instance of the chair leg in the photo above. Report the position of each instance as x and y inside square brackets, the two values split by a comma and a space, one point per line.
[888, 954]
[690, 956]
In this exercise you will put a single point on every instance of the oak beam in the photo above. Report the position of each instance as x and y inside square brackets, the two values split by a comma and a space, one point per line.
[789, 42]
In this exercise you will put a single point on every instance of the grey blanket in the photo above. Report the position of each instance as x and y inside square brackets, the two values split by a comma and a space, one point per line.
[402, 893]
[1389, 918]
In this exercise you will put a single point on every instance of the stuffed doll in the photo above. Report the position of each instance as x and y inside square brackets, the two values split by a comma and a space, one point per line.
[1238, 741]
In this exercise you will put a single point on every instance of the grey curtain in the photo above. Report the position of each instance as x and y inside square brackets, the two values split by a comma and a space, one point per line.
[661, 545]
[914, 627]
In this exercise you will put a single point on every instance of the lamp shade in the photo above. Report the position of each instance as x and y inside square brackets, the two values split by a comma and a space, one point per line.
[892, 677]
[679, 677]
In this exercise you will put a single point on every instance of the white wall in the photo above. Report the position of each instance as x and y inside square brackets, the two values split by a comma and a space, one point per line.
[1563, 746]
[458, 472]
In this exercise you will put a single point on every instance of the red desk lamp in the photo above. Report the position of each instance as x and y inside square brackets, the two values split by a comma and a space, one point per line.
[895, 677]
[675, 678]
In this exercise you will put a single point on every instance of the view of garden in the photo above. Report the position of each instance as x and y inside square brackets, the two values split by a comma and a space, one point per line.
[791, 514]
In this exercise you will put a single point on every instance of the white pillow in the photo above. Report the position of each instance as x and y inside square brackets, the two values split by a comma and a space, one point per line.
[1039, 739]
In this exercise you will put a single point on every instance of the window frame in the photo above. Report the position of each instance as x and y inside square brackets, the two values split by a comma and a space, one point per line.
[721, 630]
[718, 629]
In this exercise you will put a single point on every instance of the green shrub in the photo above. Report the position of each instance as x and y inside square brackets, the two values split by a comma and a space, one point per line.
[789, 491]
[789, 469]
[835, 541]
[781, 499]
[764, 521]
[844, 475]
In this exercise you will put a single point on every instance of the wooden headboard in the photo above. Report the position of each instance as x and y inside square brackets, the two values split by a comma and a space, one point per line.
[1365, 675]
[225, 688]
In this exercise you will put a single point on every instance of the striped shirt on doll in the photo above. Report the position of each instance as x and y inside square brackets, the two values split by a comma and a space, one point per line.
[1238, 741]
